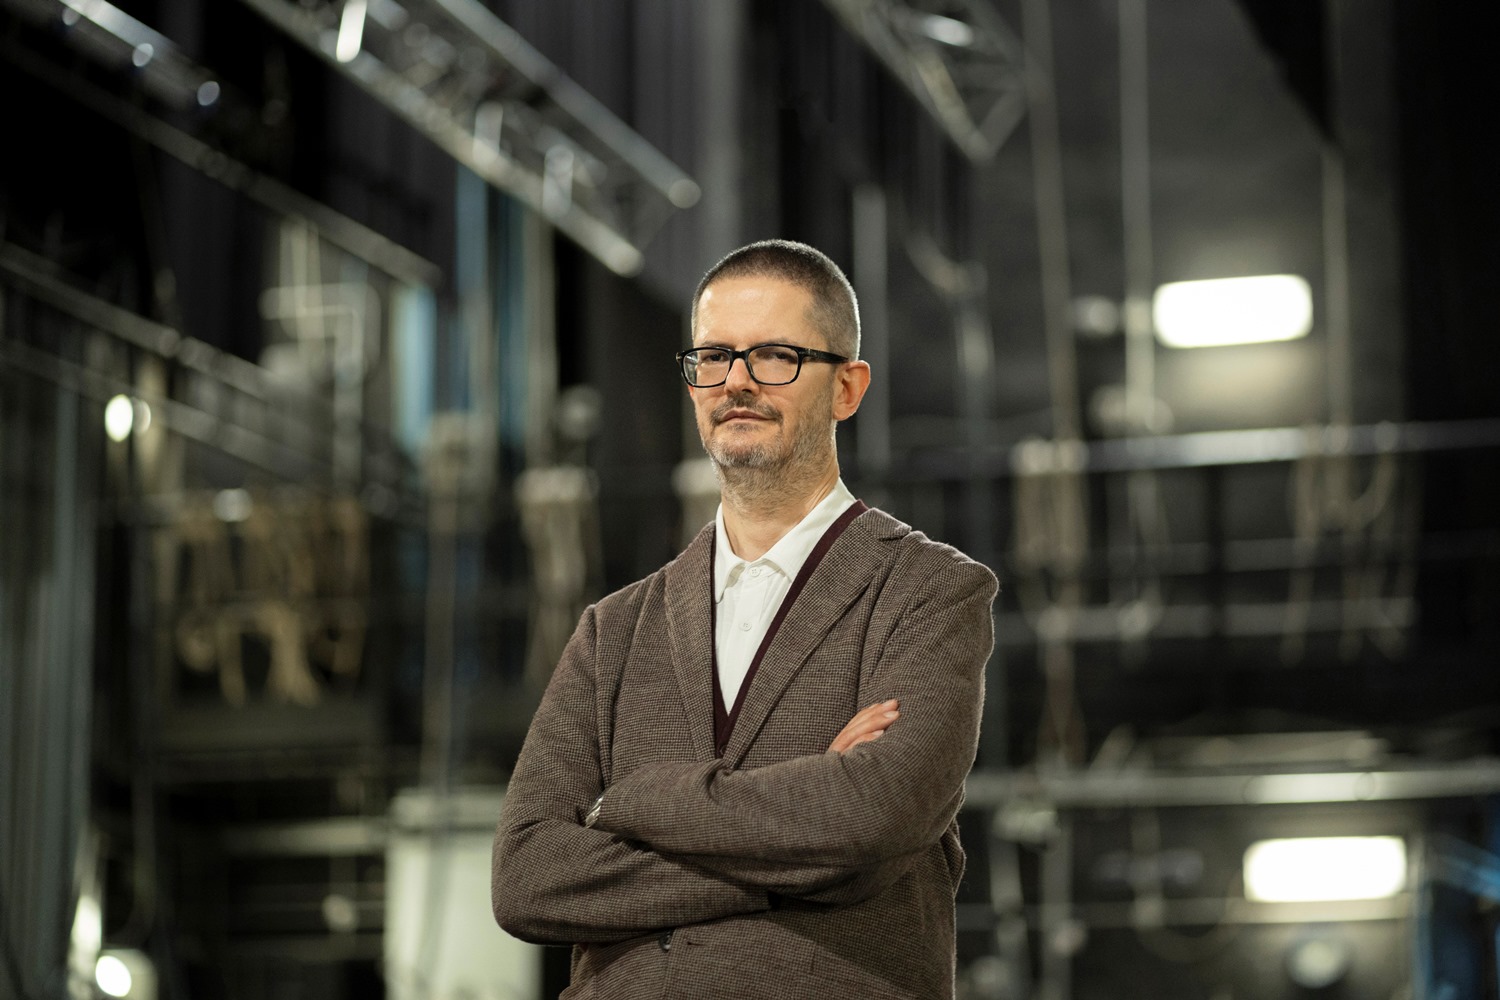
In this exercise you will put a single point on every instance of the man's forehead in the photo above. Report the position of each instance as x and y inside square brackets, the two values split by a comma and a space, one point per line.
[746, 304]
[733, 286]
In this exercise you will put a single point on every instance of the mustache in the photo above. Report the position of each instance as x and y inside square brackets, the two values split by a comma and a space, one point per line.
[744, 401]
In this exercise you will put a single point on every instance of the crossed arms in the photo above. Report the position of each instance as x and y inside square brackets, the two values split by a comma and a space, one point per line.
[677, 843]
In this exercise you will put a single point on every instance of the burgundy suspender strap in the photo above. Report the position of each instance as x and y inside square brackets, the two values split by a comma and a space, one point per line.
[724, 721]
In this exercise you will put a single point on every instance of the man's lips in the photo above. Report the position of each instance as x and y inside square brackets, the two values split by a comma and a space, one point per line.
[742, 415]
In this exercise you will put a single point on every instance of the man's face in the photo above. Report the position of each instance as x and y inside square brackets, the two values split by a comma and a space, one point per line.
[744, 424]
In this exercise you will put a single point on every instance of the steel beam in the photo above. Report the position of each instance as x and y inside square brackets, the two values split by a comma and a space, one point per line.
[477, 89]
[957, 57]
[1150, 789]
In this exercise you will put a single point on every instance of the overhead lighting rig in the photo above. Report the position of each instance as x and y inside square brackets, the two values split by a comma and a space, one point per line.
[958, 57]
[179, 95]
[476, 88]
[113, 38]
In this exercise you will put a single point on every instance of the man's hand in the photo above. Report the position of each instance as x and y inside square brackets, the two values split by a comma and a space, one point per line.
[866, 726]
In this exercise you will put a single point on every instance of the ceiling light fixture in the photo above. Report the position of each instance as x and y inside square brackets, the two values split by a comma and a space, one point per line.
[1223, 311]
[119, 418]
[1316, 869]
[113, 976]
[126, 973]
[351, 31]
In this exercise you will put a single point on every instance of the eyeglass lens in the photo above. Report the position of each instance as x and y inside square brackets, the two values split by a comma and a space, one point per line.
[769, 365]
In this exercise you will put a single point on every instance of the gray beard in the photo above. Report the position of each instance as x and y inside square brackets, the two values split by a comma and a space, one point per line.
[761, 479]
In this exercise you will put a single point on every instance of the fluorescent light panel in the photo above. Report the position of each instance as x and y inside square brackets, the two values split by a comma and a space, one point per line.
[1315, 869]
[1224, 311]
[351, 31]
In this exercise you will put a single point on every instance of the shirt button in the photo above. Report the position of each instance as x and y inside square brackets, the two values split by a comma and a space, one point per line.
[755, 571]
[744, 626]
[665, 941]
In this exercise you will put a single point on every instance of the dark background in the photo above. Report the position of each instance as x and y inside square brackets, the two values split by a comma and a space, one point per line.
[109, 240]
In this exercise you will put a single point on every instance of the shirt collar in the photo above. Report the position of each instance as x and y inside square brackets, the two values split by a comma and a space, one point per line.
[791, 549]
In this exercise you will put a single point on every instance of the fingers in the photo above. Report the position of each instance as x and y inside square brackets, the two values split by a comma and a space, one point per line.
[868, 724]
[866, 738]
[874, 719]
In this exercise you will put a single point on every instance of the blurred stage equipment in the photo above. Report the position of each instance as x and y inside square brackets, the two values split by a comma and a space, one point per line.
[459, 470]
[114, 38]
[1327, 500]
[957, 57]
[560, 522]
[473, 86]
[438, 939]
[559, 508]
[286, 572]
[1318, 959]
[1135, 787]
[324, 335]
[86, 940]
[697, 487]
[1463, 866]
[1051, 546]
[1148, 850]
[122, 415]
[126, 973]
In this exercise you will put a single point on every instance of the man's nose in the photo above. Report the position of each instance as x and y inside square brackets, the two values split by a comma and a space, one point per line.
[739, 379]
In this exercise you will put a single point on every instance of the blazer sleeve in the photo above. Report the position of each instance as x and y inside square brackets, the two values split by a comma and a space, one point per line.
[555, 881]
[873, 806]
[827, 884]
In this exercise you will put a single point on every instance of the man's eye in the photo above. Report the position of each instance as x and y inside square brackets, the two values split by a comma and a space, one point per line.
[712, 357]
[777, 355]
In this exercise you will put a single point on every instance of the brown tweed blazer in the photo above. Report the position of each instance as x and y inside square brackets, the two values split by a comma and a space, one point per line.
[779, 870]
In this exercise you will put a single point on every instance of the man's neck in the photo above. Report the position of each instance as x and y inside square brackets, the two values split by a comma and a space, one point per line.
[758, 512]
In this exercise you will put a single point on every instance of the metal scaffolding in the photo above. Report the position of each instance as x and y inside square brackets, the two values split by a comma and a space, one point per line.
[957, 57]
[475, 87]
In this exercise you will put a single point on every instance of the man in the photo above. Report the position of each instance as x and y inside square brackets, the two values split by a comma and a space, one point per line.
[744, 777]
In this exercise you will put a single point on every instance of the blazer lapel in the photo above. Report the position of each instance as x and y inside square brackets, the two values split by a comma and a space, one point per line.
[845, 572]
[689, 600]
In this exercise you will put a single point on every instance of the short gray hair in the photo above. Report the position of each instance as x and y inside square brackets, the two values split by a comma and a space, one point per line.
[835, 310]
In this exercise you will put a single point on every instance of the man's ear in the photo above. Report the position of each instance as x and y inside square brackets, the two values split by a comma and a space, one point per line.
[849, 388]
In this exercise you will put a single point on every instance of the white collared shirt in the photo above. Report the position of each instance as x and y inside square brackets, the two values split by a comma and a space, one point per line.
[748, 594]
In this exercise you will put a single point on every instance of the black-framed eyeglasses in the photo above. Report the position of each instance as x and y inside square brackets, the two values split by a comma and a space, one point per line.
[768, 364]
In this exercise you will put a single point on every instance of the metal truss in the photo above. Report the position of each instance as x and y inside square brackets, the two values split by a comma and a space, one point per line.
[957, 56]
[113, 38]
[1155, 788]
[472, 85]
[170, 81]
[218, 400]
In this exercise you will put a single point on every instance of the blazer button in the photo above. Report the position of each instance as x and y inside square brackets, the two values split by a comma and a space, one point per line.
[665, 941]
